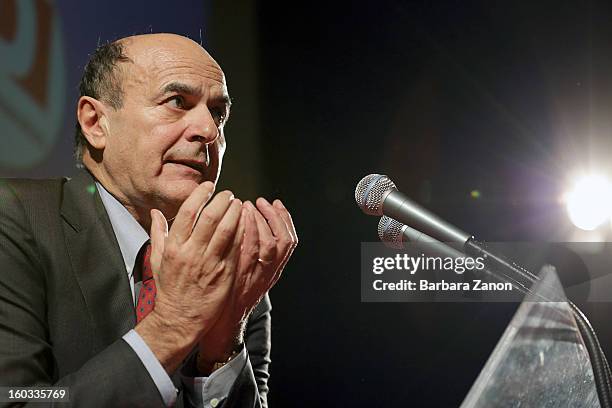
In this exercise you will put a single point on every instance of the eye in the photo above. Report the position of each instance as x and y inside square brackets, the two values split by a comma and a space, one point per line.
[176, 101]
[219, 115]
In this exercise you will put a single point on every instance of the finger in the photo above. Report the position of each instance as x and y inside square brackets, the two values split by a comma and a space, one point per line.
[189, 211]
[159, 231]
[225, 231]
[277, 225]
[233, 252]
[254, 275]
[210, 217]
[250, 244]
[267, 241]
[286, 216]
[281, 268]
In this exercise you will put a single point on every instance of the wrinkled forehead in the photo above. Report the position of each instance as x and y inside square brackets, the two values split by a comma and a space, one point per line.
[156, 64]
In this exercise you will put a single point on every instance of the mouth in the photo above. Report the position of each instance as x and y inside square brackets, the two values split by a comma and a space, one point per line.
[193, 164]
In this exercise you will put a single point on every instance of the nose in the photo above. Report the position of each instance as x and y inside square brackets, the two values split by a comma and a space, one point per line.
[201, 126]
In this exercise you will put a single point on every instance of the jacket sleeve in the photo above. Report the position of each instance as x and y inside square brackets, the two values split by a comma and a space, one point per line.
[251, 386]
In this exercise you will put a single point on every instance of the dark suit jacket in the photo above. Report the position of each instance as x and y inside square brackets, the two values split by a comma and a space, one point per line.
[65, 302]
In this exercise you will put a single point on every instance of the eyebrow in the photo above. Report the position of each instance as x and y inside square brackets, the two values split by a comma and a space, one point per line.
[182, 88]
[225, 100]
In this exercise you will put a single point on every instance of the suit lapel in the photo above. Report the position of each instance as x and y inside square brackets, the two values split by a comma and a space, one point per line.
[96, 260]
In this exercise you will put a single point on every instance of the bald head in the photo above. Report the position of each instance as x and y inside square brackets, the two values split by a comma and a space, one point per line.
[145, 44]
[150, 120]
[111, 64]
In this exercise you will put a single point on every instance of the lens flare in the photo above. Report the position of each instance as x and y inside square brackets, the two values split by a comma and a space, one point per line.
[589, 204]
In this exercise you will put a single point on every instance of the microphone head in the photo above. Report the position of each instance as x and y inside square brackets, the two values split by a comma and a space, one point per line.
[370, 192]
[390, 232]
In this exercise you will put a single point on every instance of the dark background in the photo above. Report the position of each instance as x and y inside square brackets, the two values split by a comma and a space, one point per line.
[446, 97]
[510, 99]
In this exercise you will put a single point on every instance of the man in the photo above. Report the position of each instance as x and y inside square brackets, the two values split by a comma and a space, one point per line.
[150, 135]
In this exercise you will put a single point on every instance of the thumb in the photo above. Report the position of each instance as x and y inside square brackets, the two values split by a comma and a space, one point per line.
[159, 232]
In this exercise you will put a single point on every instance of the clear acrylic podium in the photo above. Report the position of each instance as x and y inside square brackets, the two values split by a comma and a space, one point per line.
[541, 360]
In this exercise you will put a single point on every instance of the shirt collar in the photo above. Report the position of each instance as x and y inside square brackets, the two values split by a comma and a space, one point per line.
[130, 234]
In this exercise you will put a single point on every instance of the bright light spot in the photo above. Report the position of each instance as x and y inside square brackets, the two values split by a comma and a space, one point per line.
[475, 194]
[590, 203]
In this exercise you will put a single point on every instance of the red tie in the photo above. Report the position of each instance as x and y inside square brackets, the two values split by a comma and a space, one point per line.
[146, 297]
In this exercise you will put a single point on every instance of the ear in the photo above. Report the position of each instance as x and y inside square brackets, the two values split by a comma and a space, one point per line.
[91, 114]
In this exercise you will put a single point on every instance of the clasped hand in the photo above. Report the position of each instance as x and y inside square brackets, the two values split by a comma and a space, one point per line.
[215, 263]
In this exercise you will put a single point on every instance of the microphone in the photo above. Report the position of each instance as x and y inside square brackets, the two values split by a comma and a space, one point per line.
[376, 194]
[394, 234]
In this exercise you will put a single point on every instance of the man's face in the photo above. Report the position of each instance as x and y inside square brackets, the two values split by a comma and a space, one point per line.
[168, 136]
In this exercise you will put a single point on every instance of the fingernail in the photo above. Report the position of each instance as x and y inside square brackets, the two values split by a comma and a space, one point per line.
[211, 187]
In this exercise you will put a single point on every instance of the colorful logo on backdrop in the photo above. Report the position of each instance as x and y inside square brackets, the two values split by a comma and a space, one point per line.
[32, 81]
